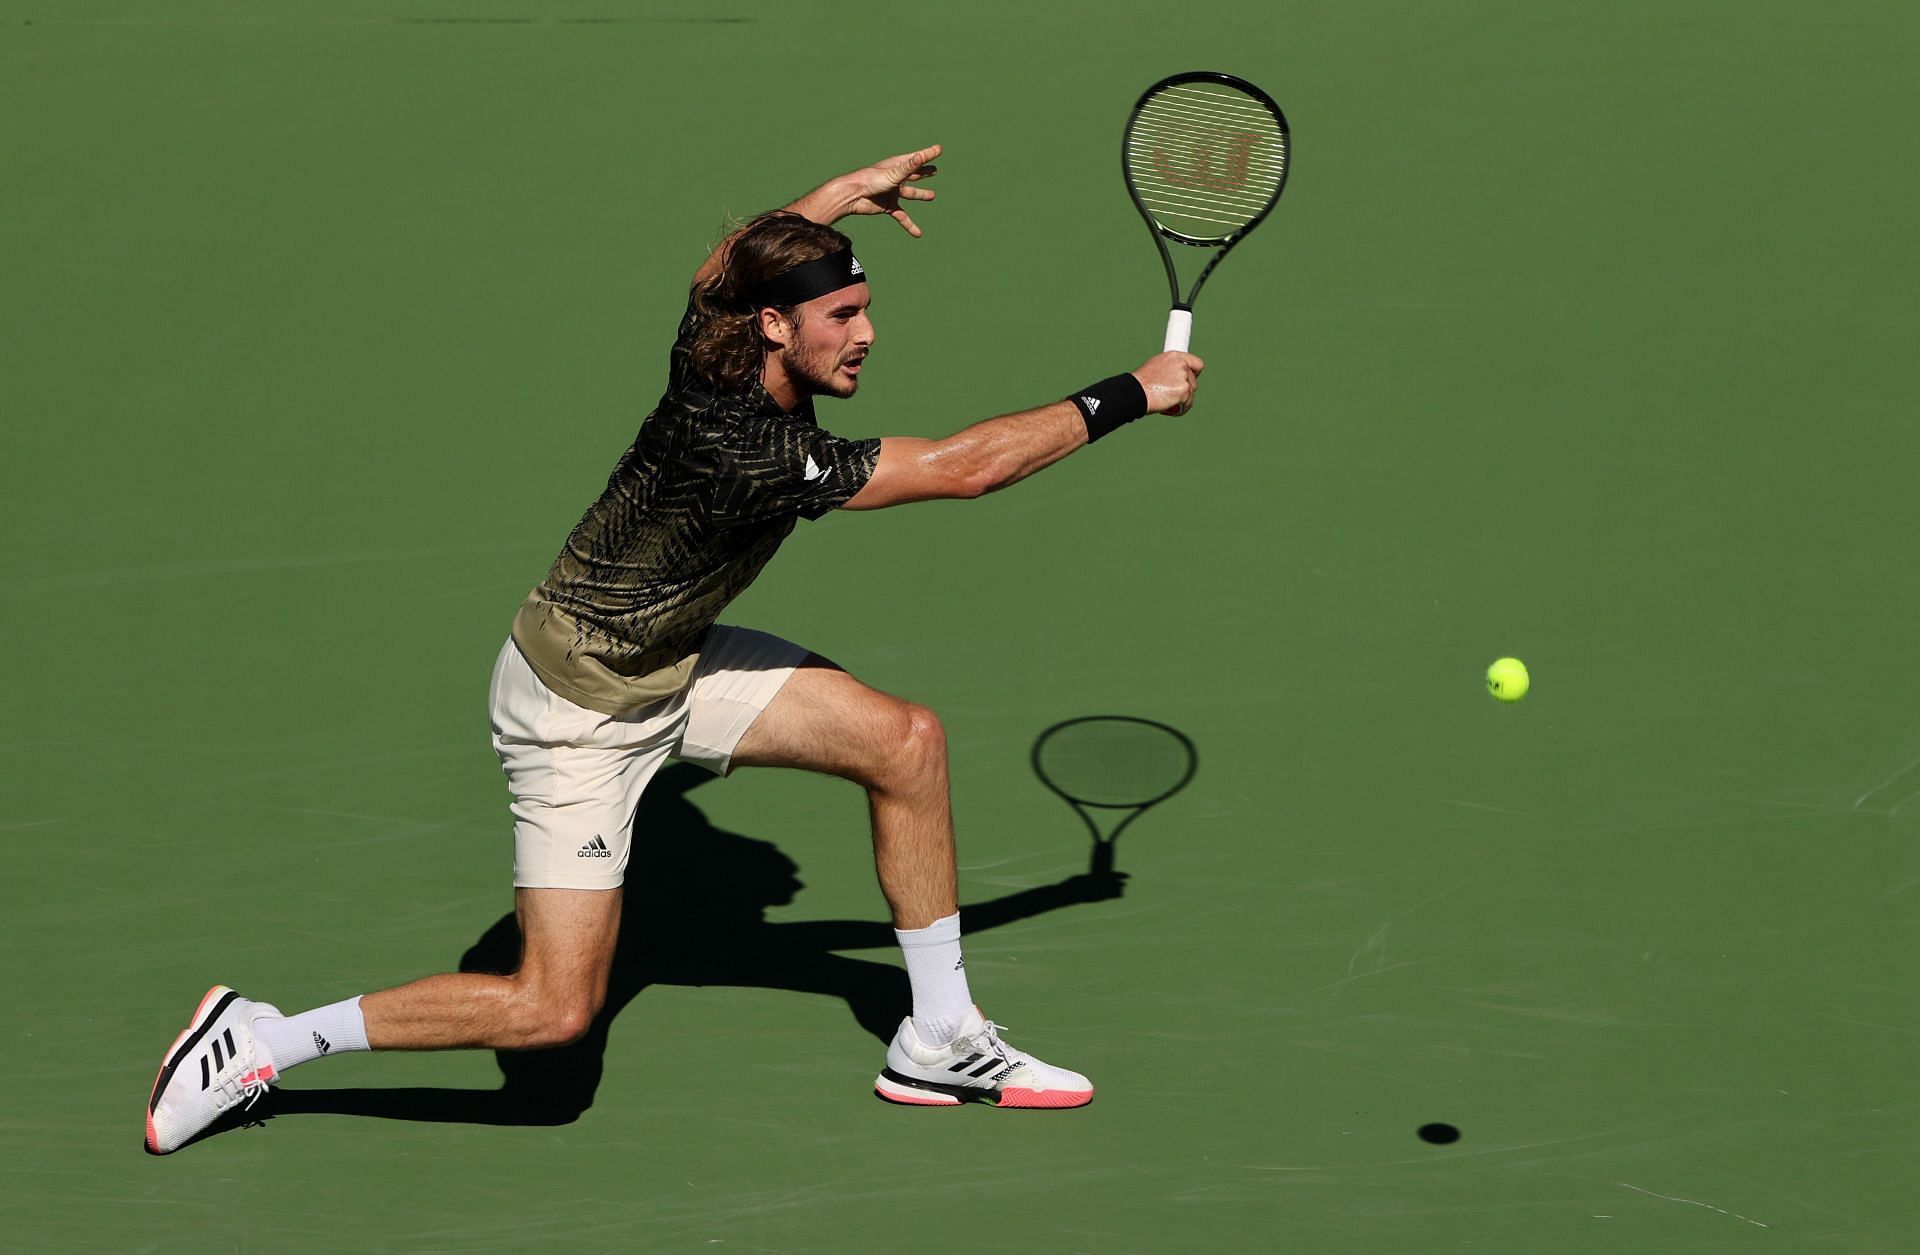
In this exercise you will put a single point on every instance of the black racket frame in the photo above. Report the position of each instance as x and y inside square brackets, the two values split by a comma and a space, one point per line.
[1162, 234]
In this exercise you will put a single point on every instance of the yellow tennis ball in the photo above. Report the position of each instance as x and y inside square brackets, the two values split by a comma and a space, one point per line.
[1507, 679]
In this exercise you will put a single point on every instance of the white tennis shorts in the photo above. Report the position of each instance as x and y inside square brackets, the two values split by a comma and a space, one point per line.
[577, 775]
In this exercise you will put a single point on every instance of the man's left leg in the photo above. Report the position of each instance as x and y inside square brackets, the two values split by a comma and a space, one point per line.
[824, 720]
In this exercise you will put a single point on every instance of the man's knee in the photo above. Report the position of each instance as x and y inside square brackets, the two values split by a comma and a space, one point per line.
[566, 961]
[552, 1015]
[913, 748]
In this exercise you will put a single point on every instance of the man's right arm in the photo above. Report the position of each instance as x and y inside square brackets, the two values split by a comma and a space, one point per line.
[991, 455]
[876, 189]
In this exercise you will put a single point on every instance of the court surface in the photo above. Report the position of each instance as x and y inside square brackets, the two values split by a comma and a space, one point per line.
[1583, 334]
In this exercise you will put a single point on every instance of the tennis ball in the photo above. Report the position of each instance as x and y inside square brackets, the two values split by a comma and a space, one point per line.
[1507, 679]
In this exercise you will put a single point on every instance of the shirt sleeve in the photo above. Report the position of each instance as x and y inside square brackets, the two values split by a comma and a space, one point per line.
[770, 468]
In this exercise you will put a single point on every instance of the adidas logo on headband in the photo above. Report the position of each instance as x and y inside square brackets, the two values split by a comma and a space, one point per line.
[810, 279]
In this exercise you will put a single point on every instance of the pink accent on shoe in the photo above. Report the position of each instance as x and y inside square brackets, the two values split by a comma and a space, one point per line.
[153, 1138]
[1052, 1098]
[905, 1101]
[211, 994]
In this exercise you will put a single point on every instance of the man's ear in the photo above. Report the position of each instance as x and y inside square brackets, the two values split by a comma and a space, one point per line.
[775, 327]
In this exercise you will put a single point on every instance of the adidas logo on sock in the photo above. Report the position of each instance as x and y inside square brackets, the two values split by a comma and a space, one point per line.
[596, 848]
[323, 1043]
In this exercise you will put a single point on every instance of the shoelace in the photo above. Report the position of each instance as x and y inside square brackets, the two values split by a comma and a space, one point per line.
[989, 1036]
[248, 1085]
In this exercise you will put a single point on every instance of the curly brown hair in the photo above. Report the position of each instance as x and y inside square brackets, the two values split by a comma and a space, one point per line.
[729, 349]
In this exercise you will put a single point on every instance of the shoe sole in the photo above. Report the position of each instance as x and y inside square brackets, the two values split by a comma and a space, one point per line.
[189, 1038]
[908, 1092]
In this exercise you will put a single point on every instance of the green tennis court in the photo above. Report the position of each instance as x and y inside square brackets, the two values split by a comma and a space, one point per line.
[1583, 334]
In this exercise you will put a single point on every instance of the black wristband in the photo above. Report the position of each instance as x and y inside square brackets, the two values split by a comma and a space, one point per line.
[1110, 403]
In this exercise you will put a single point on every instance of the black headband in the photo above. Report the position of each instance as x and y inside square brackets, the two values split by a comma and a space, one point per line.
[808, 280]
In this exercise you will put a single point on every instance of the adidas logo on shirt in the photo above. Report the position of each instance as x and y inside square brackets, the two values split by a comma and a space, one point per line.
[596, 848]
[815, 472]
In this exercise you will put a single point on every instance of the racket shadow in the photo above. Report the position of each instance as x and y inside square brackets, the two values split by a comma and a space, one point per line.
[695, 915]
[1111, 770]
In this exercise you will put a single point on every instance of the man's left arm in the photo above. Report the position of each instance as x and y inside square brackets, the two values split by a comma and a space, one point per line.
[876, 189]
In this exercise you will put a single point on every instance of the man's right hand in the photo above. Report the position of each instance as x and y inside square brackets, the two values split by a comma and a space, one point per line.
[875, 189]
[1170, 380]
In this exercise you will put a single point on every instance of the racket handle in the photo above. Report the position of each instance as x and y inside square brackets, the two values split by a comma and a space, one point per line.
[1179, 331]
[1102, 858]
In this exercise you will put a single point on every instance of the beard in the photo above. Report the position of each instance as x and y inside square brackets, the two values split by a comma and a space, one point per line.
[819, 374]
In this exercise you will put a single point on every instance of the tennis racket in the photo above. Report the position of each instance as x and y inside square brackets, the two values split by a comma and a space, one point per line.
[1113, 763]
[1205, 159]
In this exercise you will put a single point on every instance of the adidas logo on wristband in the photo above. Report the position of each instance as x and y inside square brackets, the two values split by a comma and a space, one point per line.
[1109, 404]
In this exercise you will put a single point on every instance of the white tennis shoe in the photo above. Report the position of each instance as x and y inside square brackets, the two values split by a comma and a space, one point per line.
[975, 1066]
[213, 1065]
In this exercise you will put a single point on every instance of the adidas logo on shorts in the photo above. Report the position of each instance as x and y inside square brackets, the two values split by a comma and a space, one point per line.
[595, 848]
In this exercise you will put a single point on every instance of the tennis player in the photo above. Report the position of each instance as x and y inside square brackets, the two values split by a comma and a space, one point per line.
[617, 663]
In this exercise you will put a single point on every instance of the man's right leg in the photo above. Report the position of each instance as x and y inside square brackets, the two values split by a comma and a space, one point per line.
[576, 776]
[233, 1048]
[550, 1001]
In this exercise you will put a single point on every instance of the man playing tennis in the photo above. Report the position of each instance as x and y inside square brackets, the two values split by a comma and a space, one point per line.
[616, 664]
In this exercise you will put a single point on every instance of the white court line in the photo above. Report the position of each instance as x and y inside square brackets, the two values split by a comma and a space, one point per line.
[1694, 1202]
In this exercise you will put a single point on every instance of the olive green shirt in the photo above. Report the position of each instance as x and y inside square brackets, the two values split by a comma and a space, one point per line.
[699, 502]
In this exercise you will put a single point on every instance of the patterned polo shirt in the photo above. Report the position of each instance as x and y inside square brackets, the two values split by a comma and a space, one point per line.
[699, 502]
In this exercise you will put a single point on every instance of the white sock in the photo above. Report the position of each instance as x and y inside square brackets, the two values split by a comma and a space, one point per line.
[296, 1039]
[939, 978]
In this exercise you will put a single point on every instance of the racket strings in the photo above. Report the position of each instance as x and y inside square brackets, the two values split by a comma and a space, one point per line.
[1244, 187]
[1205, 159]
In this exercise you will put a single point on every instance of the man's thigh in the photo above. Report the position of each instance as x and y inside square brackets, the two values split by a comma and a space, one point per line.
[576, 776]
[740, 673]
[824, 720]
[573, 809]
[567, 938]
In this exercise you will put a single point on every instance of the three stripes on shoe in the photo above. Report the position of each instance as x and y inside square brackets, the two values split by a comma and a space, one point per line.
[992, 1062]
[211, 1064]
[203, 1019]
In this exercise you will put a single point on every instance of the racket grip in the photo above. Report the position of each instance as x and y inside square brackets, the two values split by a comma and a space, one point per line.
[1102, 858]
[1179, 331]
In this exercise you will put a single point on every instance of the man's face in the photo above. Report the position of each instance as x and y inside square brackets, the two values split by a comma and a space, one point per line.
[825, 344]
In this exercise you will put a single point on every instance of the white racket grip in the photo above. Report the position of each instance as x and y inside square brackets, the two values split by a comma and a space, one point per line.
[1179, 331]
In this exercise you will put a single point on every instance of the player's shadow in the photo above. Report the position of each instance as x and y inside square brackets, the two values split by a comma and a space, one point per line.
[695, 914]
